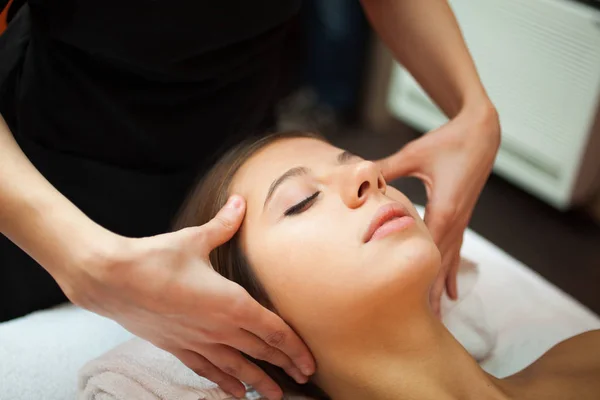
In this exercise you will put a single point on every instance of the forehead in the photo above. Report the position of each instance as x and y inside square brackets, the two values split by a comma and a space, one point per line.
[257, 174]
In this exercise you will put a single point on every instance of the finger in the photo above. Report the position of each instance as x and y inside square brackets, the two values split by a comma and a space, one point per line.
[451, 284]
[276, 333]
[225, 224]
[402, 163]
[206, 369]
[231, 362]
[436, 306]
[435, 295]
[255, 347]
[384, 165]
[440, 219]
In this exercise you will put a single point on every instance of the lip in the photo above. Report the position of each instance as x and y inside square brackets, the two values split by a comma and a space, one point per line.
[385, 214]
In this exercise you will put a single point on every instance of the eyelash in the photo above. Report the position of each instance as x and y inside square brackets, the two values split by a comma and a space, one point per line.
[300, 207]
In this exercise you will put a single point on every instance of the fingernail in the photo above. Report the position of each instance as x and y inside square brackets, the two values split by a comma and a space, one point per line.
[298, 376]
[234, 202]
[306, 370]
[239, 393]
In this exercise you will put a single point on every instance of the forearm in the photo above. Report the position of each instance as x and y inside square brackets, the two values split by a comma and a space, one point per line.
[38, 218]
[425, 38]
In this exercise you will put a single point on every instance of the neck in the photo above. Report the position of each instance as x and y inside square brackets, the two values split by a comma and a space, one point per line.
[419, 359]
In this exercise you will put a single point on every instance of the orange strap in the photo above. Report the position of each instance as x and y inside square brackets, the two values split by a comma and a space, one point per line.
[3, 17]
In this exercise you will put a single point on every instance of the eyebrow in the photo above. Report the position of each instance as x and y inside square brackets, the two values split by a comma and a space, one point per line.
[345, 156]
[342, 158]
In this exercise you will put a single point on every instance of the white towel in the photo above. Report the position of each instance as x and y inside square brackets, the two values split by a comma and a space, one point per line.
[41, 352]
[465, 318]
[138, 370]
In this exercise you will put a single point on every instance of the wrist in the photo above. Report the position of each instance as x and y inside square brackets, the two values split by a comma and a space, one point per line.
[84, 263]
[481, 127]
[95, 248]
[68, 244]
[479, 105]
[482, 112]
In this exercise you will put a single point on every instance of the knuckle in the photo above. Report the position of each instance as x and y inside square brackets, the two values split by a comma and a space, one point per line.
[267, 353]
[239, 303]
[215, 336]
[225, 223]
[200, 235]
[203, 371]
[232, 369]
[276, 339]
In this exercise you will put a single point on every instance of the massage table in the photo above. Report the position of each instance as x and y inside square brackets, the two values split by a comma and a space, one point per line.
[511, 316]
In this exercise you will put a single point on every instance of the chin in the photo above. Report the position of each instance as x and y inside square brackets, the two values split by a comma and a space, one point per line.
[400, 264]
[416, 259]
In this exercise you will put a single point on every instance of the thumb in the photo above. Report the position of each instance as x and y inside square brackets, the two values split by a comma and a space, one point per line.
[225, 224]
[399, 164]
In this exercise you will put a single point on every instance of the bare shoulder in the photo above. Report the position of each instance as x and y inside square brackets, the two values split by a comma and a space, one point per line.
[569, 370]
[581, 352]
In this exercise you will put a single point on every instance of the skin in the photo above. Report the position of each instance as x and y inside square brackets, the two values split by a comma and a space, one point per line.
[454, 160]
[109, 274]
[151, 286]
[364, 308]
[333, 228]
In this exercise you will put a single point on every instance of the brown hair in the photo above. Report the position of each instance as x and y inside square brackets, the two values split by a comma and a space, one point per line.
[203, 203]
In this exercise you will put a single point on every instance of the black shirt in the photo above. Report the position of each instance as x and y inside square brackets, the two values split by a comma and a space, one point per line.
[120, 103]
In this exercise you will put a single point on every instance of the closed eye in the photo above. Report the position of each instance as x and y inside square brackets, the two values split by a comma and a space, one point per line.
[301, 206]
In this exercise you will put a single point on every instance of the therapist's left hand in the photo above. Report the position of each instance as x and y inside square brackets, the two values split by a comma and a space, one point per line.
[454, 162]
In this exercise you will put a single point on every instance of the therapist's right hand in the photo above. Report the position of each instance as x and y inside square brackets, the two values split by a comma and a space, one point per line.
[163, 289]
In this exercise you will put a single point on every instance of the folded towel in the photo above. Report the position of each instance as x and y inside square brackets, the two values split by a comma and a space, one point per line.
[138, 370]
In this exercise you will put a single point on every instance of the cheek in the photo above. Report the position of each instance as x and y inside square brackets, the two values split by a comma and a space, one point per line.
[313, 282]
[307, 270]
[296, 261]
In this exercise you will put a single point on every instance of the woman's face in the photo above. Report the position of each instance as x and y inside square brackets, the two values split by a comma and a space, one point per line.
[311, 210]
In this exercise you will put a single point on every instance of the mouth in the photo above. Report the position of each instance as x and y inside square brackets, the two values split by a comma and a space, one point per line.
[388, 219]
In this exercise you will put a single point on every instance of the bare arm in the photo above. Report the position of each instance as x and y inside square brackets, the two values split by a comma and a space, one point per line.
[425, 38]
[455, 160]
[39, 219]
[151, 286]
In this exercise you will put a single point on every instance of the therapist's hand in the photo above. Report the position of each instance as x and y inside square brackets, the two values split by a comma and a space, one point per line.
[164, 290]
[454, 162]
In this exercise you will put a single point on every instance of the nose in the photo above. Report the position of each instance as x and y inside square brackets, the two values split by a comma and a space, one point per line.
[362, 180]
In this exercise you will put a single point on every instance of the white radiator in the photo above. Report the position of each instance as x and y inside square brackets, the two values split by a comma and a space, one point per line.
[540, 63]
